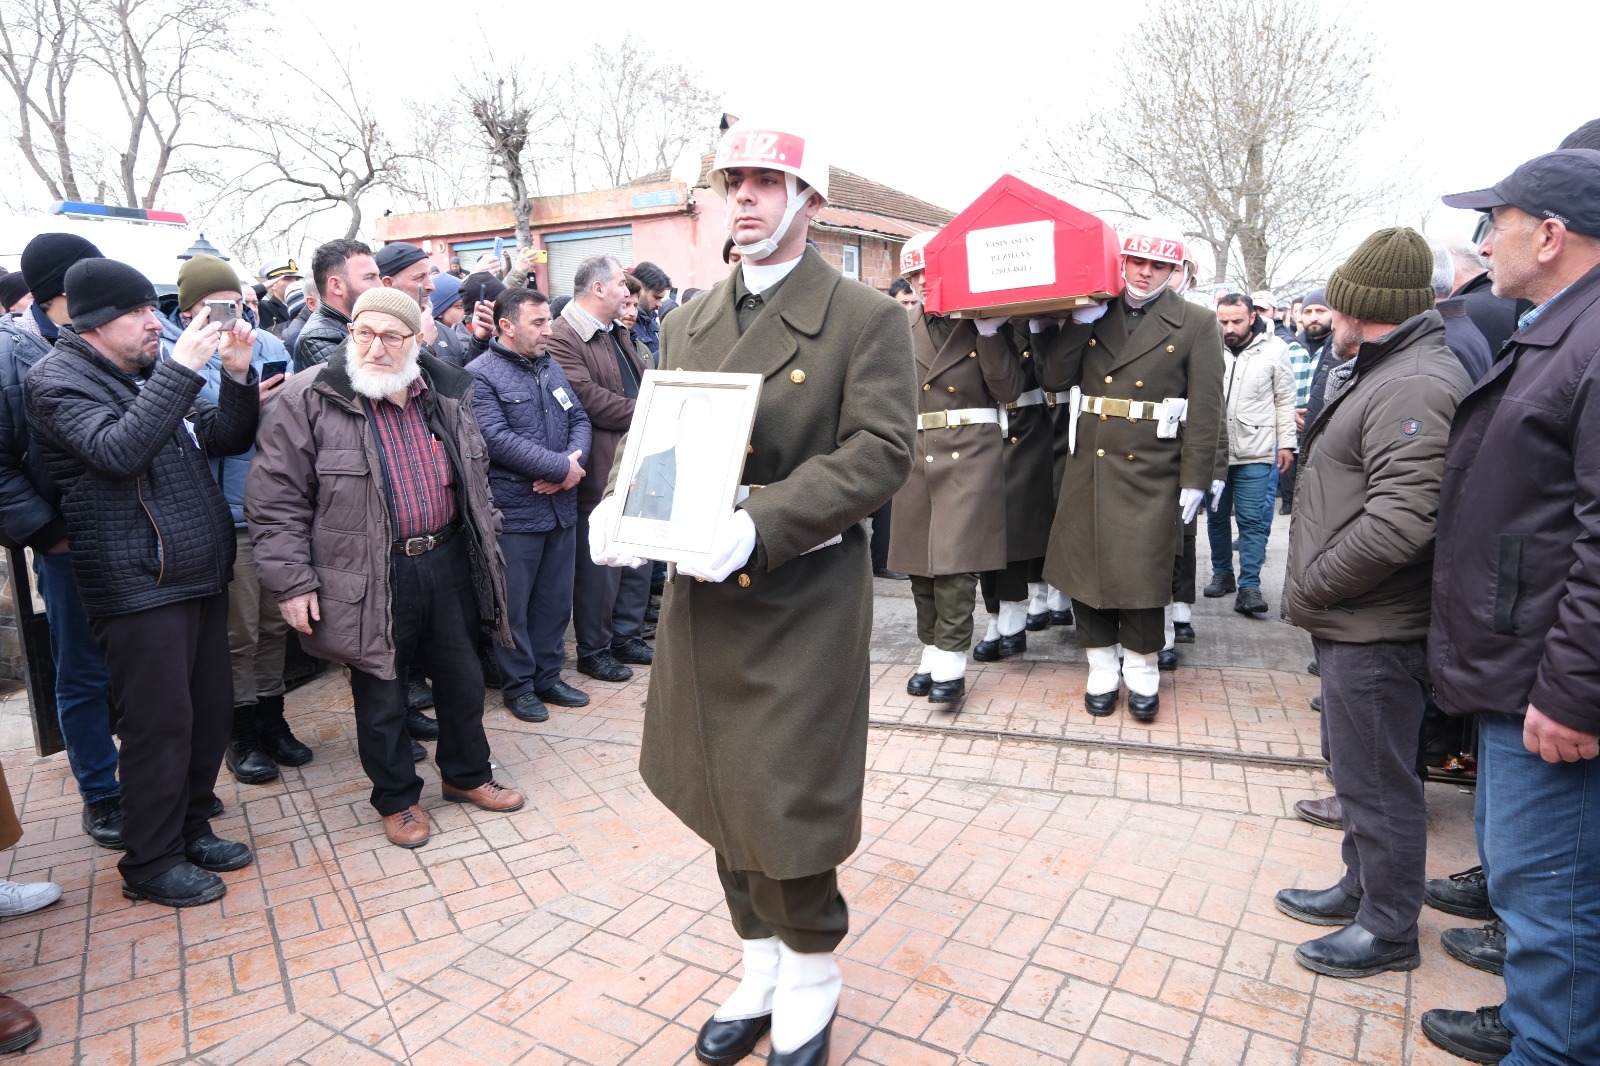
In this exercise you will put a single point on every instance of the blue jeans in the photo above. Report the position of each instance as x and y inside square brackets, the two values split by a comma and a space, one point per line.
[1242, 498]
[1270, 501]
[1539, 832]
[83, 687]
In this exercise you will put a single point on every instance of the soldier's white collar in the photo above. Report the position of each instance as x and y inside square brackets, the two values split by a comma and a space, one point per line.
[759, 277]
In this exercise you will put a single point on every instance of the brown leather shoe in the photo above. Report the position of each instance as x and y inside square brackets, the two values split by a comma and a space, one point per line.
[489, 796]
[409, 828]
[1327, 812]
[18, 1026]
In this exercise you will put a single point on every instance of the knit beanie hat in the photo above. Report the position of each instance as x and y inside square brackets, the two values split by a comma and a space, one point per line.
[479, 286]
[397, 256]
[1315, 298]
[1388, 279]
[446, 291]
[201, 276]
[12, 289]
[45, 261]
[99, 290]
[405, 308]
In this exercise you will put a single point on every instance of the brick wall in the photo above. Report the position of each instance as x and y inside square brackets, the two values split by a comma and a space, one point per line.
[879, 259]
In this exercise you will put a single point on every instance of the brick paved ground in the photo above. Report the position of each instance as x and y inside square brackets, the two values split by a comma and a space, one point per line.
[1033, 886]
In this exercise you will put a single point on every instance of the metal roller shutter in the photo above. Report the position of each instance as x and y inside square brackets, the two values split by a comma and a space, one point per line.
[567, 250]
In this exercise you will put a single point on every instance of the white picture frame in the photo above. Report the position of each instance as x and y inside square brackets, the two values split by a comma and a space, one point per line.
[679, 472]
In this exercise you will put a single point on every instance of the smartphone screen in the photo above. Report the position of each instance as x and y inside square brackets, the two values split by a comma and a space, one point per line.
[273, 369]
[224, 312]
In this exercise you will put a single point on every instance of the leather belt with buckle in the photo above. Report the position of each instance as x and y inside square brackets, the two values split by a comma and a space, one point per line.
[970, 416]
[423, 545]
[1133, 410]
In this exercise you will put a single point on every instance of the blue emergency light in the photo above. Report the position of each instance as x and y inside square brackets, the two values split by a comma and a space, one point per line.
[78, 209]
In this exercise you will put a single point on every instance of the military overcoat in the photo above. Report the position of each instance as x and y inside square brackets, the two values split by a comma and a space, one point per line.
[1030, 463]
[950, 518]
[1117, 522]
[755, 728]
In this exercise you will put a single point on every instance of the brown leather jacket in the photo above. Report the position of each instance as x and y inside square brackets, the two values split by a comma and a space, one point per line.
[319, 516]
[590, 363]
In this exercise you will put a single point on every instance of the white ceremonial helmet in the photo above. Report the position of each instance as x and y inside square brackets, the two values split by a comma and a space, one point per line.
[911, 259]
[1158, 241]
[750, 143]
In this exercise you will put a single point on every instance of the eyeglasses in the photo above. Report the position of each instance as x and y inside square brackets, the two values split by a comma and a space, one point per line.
[392, 341]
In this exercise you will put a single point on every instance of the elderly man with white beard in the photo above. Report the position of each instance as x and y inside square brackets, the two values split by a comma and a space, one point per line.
[369, 506]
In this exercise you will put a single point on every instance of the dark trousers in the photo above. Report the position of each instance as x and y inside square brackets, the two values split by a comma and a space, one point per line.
[1183, 566]
[594, 596]
[806, 913]
[538, 606]
[435, 625]
[171, 678]
[880, 536]
[1372, 700]
[1010, 584]
[944, 609]
[83, 688]
[1137, 629]
[633, 599]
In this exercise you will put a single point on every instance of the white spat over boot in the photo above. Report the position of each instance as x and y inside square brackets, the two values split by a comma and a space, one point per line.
[949, 677]
[1100, 696]
[803, 1007]
[732, 1032]
[921, 681]
[1143, 678]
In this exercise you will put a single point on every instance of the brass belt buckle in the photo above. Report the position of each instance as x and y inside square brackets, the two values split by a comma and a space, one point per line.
[418, 545]
[935, 420]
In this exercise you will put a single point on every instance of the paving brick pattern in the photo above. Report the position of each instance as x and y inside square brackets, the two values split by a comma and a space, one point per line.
[1033, 886]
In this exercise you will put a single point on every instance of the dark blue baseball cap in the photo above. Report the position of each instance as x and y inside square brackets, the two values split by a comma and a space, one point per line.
[1563, 185]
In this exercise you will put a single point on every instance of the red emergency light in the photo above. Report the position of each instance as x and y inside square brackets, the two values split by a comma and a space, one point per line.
[1017, 250]
[78, 209]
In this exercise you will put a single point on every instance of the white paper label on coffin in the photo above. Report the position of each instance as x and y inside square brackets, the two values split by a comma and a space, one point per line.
[1011, 257]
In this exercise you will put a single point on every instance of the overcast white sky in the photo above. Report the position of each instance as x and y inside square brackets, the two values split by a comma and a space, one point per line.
[938, 99]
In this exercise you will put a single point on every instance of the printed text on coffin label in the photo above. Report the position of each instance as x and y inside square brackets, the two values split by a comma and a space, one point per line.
[1011, 257]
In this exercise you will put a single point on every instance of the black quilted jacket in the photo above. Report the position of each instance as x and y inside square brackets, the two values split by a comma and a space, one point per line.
[146, 522]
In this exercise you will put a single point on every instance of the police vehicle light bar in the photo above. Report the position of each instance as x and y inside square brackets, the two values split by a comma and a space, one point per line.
[76, 209]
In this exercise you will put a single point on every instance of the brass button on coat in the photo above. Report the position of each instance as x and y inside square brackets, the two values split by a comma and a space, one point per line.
[930, 458]
[1026, 354]
[955, 455]
[744, 581]
[797, 376]
[1091, 342]
[1130, 458]
[972, 355]
[925, 388]
[1138, 384]
[1099, 451]
[1172, 347]
[749, 449]
[1013, 440]
[950, 388]
[1108, 379]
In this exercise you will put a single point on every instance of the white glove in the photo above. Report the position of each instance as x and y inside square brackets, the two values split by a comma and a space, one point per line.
[1039, 325]
[600, 549]
[1085, 315]
[988, 327]
[736, 539]
[1216, 493]
[1189, 501]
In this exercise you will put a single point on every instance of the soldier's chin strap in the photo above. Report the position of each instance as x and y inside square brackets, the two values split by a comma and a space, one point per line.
[1138, 298]
[763, 248]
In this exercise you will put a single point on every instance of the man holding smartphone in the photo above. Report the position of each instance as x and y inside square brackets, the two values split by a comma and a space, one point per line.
[257, 636]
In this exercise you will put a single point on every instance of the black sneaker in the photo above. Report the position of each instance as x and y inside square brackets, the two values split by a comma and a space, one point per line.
[1465, 893]
[419, 697]
[633, 650]
[602, 666]
[1250, 601]
[1221, 585]
[211, 852]
[420, 726]
[1482, 948]
[1476, 1035]
[102, 820]
[528, 708]
[185, 885]
[563, 695]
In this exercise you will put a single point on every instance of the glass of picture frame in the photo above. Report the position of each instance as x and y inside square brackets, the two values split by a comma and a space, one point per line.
[681, 462]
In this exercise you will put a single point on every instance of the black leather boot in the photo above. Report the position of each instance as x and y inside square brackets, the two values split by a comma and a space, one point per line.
[986, 651]
[1167, 658]
[1061, 618]
[919, 684]
[1478, 1035]
[813, 1052]
[1144, 708]
[1100, 704]
[246, 761]
[1327, 906]
[1465, 893]
[1354, 952]
[724, 1043]
[1015, 644]
[1482, 948]
[947, 691]
[280, 745]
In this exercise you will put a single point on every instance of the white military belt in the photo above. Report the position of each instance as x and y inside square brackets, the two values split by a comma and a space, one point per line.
[1035, 397]
[1133, 410]
[967, 416]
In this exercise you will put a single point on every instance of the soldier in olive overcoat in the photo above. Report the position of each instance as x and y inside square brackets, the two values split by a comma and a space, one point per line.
[755, 726]
[1149, 370]
[950, 518]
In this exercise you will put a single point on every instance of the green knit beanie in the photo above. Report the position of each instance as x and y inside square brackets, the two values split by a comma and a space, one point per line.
[1388, 279]
[203, 275]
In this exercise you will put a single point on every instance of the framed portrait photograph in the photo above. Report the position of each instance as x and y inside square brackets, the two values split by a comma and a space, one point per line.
[678, 475]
